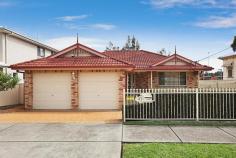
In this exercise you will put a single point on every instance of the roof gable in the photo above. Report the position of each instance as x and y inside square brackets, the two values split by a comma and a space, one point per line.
[77, 50]
[176, 59]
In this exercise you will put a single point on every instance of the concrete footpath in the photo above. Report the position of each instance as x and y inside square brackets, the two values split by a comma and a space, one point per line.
[178, 134]
[72, 140]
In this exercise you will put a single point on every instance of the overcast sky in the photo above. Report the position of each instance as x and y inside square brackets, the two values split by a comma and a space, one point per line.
[196, 27]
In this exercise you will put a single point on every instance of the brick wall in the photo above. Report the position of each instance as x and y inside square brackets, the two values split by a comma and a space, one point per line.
[122, 85]
[155, 80]
[28, 89]
[142, 80]
[192, 79]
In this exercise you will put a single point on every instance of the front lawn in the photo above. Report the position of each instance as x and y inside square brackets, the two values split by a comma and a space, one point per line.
[171, 150]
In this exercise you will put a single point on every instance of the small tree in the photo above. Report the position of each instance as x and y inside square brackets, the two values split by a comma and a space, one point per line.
[163, 51]
[233, 45]
[111, 47]
[8, 81]
[131, 44]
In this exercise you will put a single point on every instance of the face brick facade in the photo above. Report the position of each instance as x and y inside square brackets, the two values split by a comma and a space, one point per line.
[78, 58]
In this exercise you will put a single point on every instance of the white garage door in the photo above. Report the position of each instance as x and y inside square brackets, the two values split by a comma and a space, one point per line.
[98, 90]
[51, 91]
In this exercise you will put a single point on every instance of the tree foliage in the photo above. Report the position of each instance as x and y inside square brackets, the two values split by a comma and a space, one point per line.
[233, 45]
[8, 81]
[131, 44]
[163, 51]
[111, 46]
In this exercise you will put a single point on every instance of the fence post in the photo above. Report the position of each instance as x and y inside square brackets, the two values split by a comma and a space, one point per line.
[124, 105]
[197, 105]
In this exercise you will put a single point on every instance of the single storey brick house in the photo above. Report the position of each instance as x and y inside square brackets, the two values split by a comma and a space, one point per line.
[81, 78]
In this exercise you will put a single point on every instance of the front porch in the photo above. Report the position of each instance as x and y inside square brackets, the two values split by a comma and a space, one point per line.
[160, 79]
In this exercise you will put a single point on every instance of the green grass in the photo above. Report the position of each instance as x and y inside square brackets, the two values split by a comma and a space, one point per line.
[183, 123]
[171, 150]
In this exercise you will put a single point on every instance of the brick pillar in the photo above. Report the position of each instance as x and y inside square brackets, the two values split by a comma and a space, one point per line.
[74, 90]
[122, 83]
[192, 79]
[155, 80]
[28, 90]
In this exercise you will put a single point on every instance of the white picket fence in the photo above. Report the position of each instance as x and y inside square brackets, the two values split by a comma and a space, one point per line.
[180, 104]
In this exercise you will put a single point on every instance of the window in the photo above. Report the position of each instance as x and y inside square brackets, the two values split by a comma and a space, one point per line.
[172, 78]
[182, 78]
[1, 69]
[41, 52]
[15, 74]
[131, 81]
[230, 73]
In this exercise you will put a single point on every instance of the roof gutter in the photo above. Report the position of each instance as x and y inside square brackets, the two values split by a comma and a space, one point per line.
[14, 34]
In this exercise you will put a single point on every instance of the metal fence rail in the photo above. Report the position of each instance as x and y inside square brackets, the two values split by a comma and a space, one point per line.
[180, 104]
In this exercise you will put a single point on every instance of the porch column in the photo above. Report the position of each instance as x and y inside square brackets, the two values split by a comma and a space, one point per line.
[127, 80]
[151, 79]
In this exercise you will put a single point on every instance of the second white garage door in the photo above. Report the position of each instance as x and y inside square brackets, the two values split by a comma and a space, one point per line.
[51, 90]
[98, 90]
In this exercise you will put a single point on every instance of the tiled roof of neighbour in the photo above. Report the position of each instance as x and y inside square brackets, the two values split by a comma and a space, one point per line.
[139, 60]
[81, 62]
[228, 56]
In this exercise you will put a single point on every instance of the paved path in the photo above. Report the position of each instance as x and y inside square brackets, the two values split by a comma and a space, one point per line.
[179, 134]
[72, 140]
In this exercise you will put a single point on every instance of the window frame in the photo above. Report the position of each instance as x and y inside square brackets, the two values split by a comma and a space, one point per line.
[230, 69]
[172, 85]
[39, 53]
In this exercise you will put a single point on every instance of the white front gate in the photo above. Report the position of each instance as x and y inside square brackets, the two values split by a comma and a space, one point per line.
[180, 104]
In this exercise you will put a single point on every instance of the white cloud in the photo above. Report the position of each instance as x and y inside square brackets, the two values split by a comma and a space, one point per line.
[200, 3]
[218, 22]
[63, 42]
[103, 26]
[72, 18]
[72, 26]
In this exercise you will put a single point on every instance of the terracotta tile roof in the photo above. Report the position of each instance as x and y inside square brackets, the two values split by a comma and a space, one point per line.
[149, 60]
[140, 59]
[81, 62]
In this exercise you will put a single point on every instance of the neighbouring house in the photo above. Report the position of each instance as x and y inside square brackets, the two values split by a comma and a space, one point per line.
[15, 48]
[81, 78]
[229, 67]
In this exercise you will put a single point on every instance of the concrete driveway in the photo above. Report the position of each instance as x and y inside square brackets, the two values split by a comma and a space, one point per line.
[40, 140]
